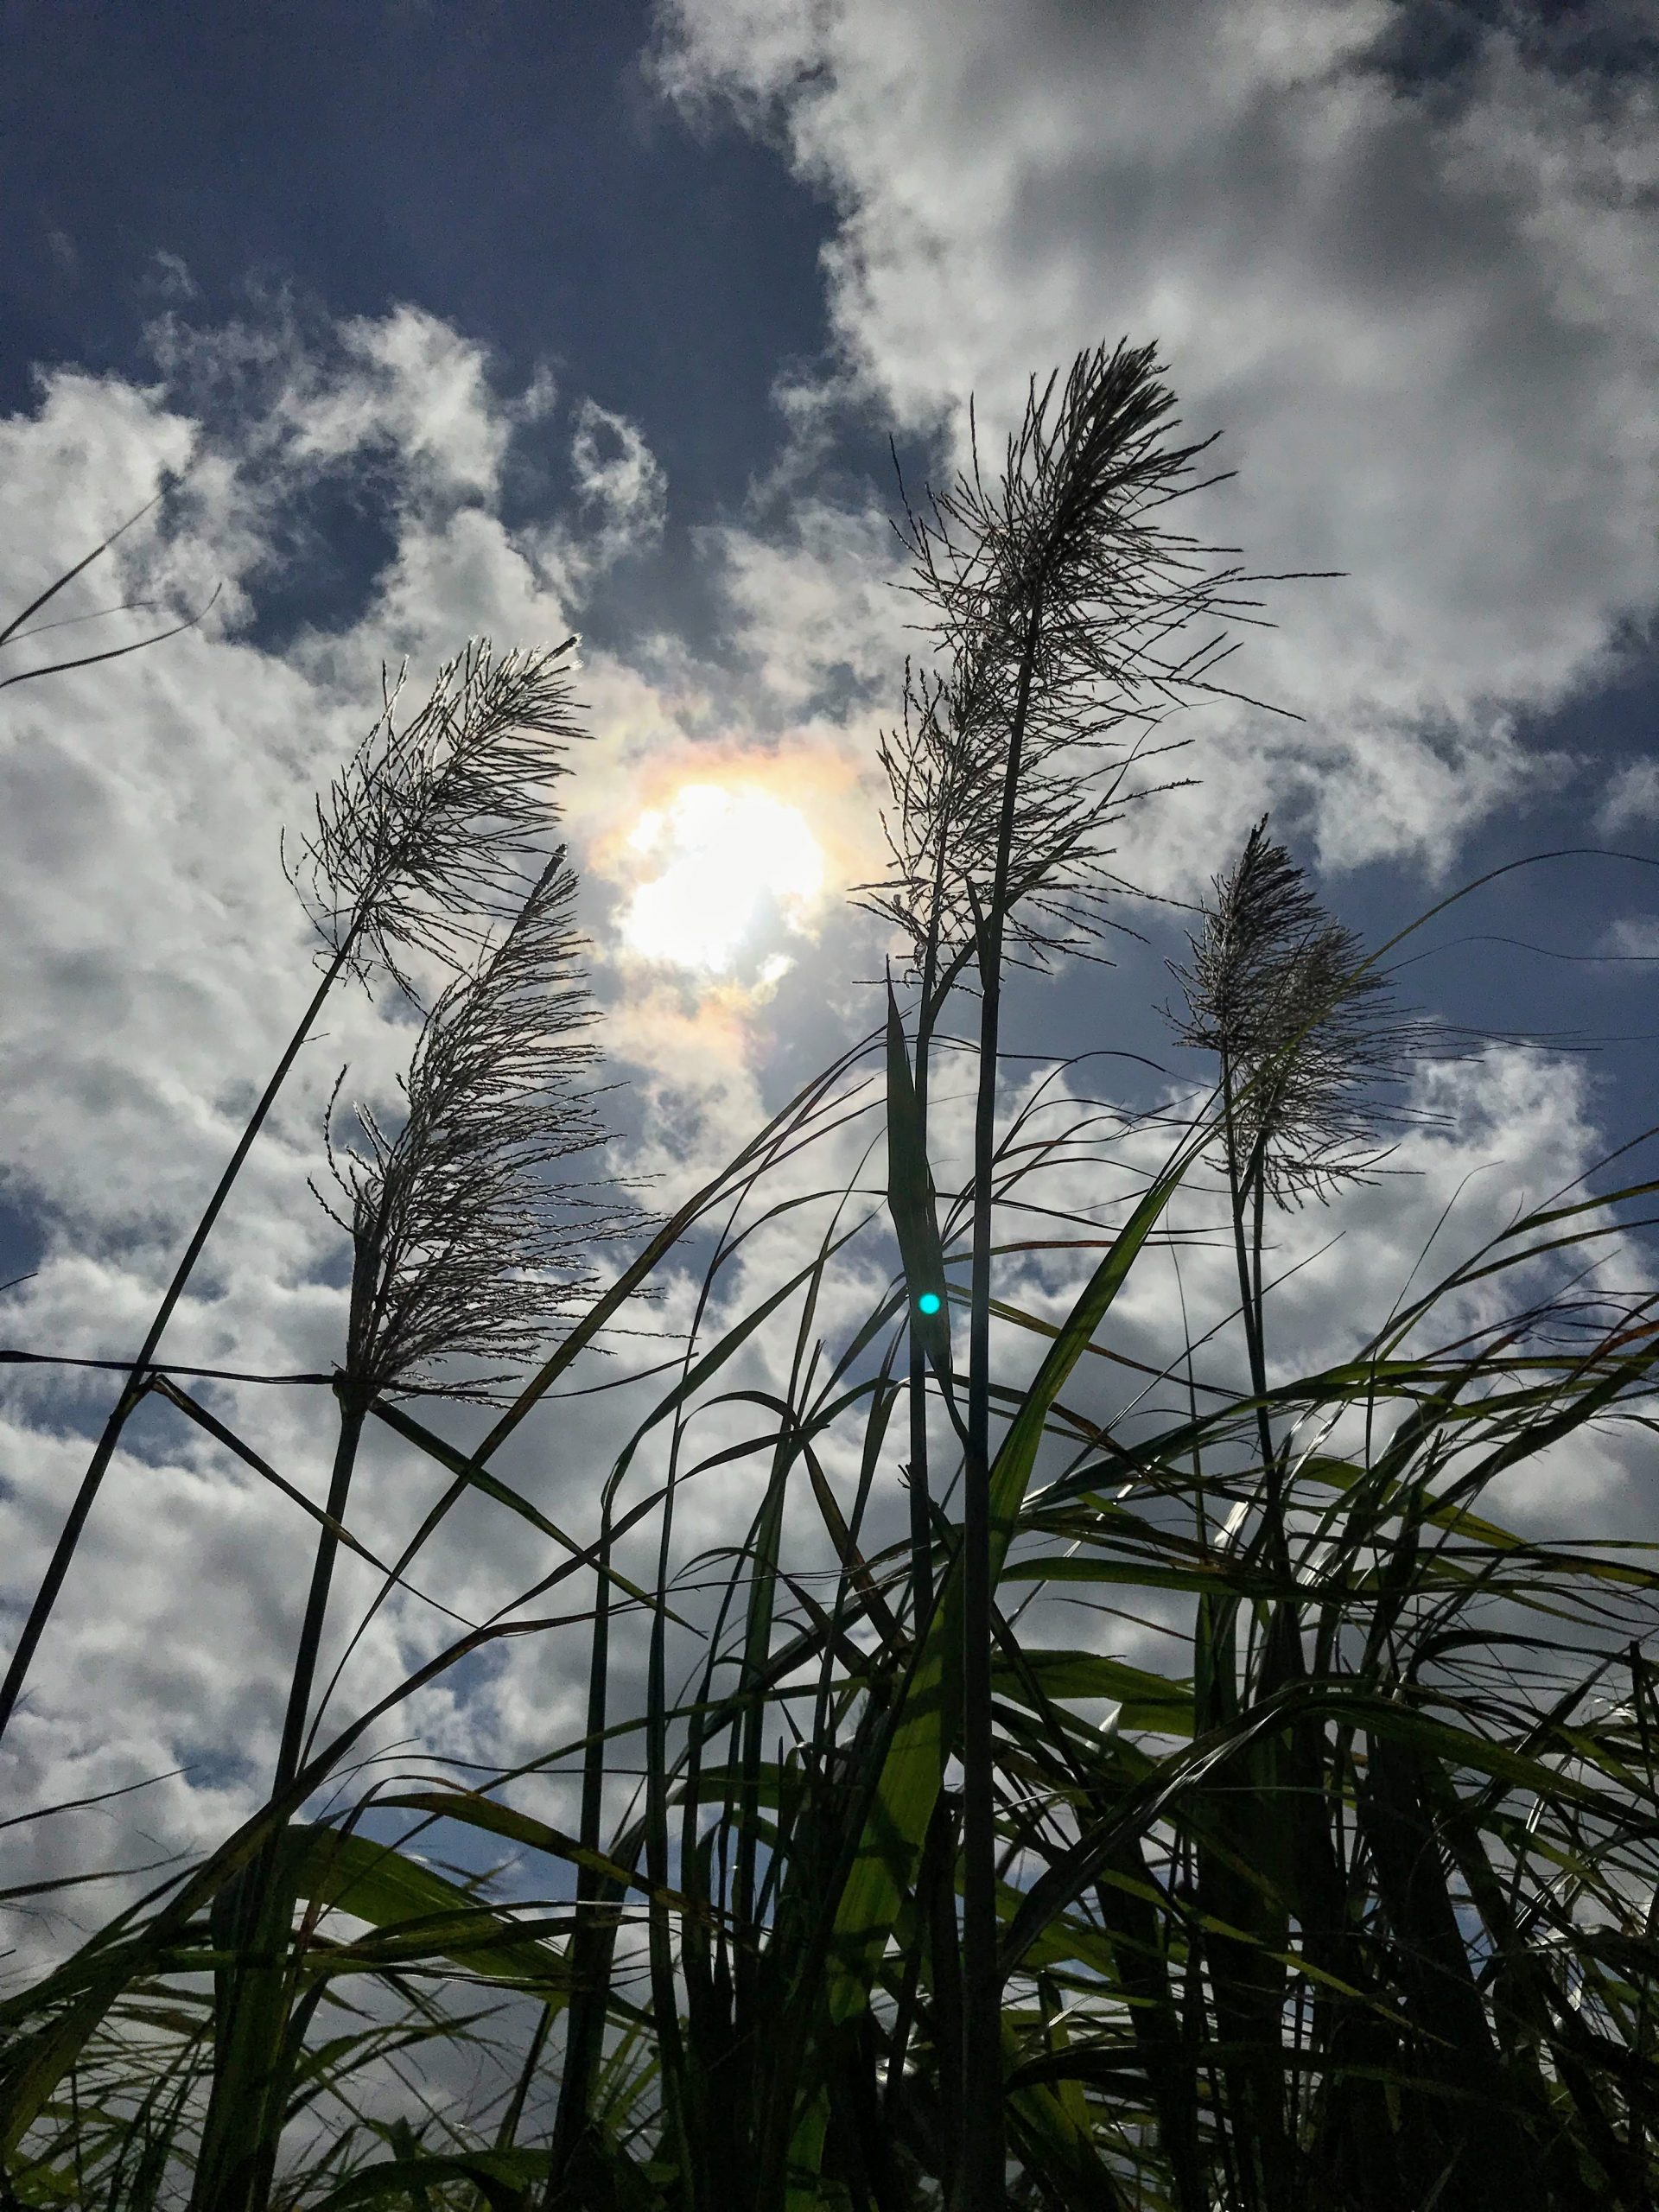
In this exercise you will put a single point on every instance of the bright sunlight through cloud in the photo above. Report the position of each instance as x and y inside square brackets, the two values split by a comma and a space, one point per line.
[722, 854]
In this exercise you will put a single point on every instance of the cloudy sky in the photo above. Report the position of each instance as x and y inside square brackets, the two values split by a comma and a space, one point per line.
[441, 320]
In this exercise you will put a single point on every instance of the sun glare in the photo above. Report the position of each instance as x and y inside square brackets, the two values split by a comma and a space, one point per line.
[720, 857]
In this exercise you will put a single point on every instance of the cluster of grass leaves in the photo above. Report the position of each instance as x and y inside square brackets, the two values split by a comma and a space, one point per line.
[1350, 1908]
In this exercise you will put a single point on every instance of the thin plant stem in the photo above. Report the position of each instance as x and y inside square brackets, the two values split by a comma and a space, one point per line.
[1239, 1189]
[236, 2176]
[13, 632]
[353, 1414]
[979, 2180]
[921, 1518]
[591, 1943]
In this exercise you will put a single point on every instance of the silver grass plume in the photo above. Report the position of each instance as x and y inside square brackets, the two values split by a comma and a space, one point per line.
[423, 840]
[1052, 595]
[468, 1242]
[1311, 1042]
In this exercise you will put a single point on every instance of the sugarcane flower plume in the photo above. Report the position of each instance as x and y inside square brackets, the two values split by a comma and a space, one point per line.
[1050, 596]
[1312, 1044]
[469, 1242]
[429, 836]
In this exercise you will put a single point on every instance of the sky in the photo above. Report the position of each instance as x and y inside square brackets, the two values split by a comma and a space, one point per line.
[516, 319]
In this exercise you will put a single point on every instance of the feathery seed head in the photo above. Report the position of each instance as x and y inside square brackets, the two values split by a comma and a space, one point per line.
[1309, 1038]
[468, 1243]
[423, 842]
[1050, 595]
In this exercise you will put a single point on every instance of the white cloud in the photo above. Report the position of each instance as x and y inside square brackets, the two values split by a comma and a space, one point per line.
[1420, 315]
[1631, 937]
[1632, 796]
[406, 387]
[621, 495]
[813, 604]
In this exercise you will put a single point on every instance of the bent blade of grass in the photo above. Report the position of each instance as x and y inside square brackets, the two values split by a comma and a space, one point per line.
[473, 1810]
[339, 1871]
[470, 1476]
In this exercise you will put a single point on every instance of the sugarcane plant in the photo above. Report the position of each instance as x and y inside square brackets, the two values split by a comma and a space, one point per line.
[1315, 1871]
[1055, 599]
[418, 840]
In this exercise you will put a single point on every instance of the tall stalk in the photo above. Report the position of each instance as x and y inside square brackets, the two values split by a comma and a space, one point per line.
[594, 1936]
[1051, 597]
[465, 1248]
[254, 2043]
[980, 2188]
[1309, 1049]
[353, 1413]
[920, 1488]
[1246, 1183]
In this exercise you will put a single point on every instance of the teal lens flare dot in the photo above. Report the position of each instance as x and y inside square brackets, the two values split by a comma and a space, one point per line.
[929, 1302]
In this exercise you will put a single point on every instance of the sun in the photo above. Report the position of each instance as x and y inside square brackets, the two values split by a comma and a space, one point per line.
[714, 863]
